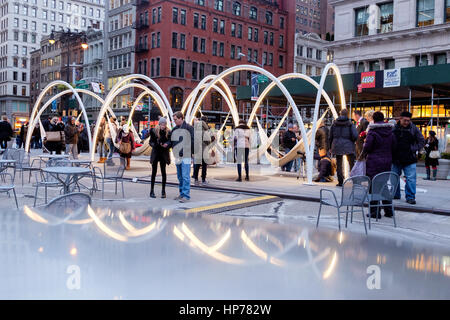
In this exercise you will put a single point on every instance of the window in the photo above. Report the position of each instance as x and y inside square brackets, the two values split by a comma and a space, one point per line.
[309, 53]
[182, 41]
[256, 35]
[421, 61]
[173, 67]
[203, 46]
[389, 64]
[270, 59]
[218, 5]
[281, 41]
[236, 8]
[440, 58]
[269, 17]
[202, 70]
[176, 98]
[196, 17]
[194, 70]
[318, 54]
[183, 17]
[374, 65]
[299, 50]
[203, 25]
[159, 20]
[447, 11]
[253, 13]
[200, 2]
[271, 39]
[281, 23]
[386, 17]
[24, 76]
[359, 67]
[195, 44]
[158, 66]
[214, 48]
[249, 55]
[175, 15]
[233, 52]
[250, 33]
[239, 31]
[266, 37]
[425, 12]
[174, 40]
[233, 29]
[215, 25]
[222, 26]
[361, 22]
[222, 49]
[181, 68]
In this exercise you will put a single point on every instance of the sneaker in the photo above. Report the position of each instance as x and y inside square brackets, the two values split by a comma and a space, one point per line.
[247, 179]
[177, 197]
[397, 198]
[411, 201]
[239, 180]
[183, 200]
[204, 182]
[197, 183]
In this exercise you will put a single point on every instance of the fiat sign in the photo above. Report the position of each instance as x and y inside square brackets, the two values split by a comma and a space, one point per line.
[391, 78]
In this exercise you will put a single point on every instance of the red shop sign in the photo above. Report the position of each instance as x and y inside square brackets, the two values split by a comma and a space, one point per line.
[368, 79]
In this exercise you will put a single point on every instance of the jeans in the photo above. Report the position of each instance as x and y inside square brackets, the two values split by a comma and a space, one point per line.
[288, 166]
[410, 174]
[110, 143]
[340, 167]
[101, 149]
[4, 144]
[184, 177]
[72, 149]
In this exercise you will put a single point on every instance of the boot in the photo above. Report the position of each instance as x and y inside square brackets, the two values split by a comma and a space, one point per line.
[163, 192]
[428, 174]
[128, 163]
[102, 160]
[152, 193]
[434, 175]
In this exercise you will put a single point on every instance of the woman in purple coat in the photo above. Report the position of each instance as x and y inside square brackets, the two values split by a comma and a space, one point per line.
[377, 151]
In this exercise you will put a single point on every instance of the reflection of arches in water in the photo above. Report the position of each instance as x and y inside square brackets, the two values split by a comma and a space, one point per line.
[176, 98]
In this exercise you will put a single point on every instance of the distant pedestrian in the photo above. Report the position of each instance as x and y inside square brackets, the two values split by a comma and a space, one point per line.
[325, 168]
[361, 127]
[343, 135]
[289, 142]
[183, 148]
[72, 132]
[127, 144]
[54, 140]
[23, 135]
[36, 139]
[409, 140]
[6, 132]
[101, 141]
[160, 141]
[110, 134]
[377, 151]
[431, 144]
[242, 149]
[202, 129]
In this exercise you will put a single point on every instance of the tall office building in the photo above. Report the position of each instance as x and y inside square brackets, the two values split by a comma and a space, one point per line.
[22, 26]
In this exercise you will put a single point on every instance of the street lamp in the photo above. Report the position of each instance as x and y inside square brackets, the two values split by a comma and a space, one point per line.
[254, 61]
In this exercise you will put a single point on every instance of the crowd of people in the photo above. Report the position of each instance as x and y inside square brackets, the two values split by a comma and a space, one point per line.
[384, 146]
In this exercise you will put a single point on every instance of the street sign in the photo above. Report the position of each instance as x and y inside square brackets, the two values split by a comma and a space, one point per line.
[262, 79]
[80, 82]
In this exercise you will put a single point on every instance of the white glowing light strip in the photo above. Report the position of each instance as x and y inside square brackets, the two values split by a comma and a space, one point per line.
[331, 267]
[104, 228]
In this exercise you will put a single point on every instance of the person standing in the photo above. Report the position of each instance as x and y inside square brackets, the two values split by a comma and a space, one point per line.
[6, 132]
[101, 141]
[125, 139]
[160, 141]
[55, 142]
[36, 140]
[343, 135]
[361, 127]
[242, 149]
[72, 132]
[201, 127]
[183, 148]
[110, 131]
[23, 135]
[377, 151]
[409, 140]
[431, 144]
[289, 142]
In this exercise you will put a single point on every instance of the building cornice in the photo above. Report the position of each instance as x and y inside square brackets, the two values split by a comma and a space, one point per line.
[390, 36]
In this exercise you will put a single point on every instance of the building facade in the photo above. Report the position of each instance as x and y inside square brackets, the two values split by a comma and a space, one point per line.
[178, 43]
[314, 16]
[310, 54]
[119, 48]
[374, 36]
[23, 24]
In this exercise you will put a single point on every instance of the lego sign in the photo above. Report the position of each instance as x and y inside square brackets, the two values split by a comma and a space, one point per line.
[368, 79]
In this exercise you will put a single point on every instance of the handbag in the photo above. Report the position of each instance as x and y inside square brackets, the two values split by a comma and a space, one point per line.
[125, 147]
[54, 136]
[435, 154]
[359, 169]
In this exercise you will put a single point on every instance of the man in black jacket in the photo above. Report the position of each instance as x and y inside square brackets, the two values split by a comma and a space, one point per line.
[361, 127]
[183, 148]
[289, 142]
[342, 141]
[6, 132]
[408, 141]
[71, 132]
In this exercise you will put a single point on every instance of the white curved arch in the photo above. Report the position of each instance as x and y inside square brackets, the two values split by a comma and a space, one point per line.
[38, 102]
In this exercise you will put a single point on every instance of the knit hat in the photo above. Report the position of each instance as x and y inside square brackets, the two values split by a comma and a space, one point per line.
[162, 120]
[125, 129]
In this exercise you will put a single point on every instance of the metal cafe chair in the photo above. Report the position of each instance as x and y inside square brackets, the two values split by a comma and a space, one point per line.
[7, 185]
[354, 194]
[22, 162]
[46, 180]
[68, 204]
[113, 170]
[382, 191]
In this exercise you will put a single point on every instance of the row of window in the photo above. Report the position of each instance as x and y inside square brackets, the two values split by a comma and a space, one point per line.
[121, 20]
[83, 23]
[120, 41]
[120, 61]
[25, 36]
[309, 52]
[33, 11]
[155, 67]
[420, 60]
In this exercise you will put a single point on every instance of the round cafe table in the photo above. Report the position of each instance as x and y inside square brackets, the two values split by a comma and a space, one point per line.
[67, 175]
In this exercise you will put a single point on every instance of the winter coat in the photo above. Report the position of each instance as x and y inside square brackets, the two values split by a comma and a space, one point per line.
[343, 135]
[324, 169]
[322, 136]
[71, 133]
[409, 140]
[158, 151]
[362, 127]
[6, 131]
[126, 138]
[56, 146]
[101, 133]
[287, 139]
[242, 137]
[23, 132]
[378, 148]
[431, 146]
[179, 138]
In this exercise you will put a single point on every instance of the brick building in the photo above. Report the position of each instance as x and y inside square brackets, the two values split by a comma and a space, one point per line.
[314, 16]
[178, 43]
